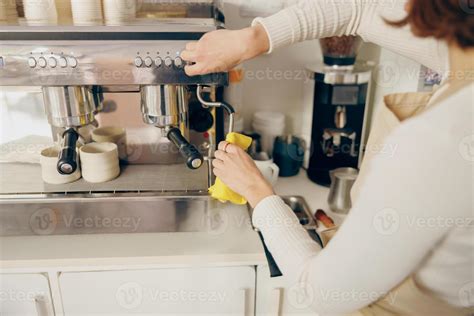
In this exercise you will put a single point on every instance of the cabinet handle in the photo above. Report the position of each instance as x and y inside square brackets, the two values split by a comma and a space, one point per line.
[41, 306]
[275, 301]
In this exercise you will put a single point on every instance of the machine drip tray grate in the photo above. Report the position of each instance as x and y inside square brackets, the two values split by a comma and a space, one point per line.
[21, 179]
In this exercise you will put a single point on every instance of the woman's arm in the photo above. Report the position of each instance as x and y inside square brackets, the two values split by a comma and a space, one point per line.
[385, 238]
[312, 19]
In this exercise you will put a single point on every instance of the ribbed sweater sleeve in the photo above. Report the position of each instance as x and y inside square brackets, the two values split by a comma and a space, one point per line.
[313, 19]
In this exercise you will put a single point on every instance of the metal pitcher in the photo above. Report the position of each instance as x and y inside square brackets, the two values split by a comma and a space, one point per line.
[342, 180]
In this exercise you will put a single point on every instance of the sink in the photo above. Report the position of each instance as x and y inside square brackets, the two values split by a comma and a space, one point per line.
[104, 214]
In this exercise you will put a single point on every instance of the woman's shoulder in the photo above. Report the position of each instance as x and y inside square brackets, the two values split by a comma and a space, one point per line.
[448, 118]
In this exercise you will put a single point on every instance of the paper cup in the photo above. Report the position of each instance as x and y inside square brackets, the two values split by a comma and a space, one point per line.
[99, 162]
[110, 134]
[49, 171]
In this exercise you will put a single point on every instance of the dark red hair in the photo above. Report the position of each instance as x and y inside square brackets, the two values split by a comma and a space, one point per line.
[450, 20]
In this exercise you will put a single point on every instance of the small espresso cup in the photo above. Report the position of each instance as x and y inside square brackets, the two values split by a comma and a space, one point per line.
[49, 169]
[110, 134]
[99, 162]
[268, 168]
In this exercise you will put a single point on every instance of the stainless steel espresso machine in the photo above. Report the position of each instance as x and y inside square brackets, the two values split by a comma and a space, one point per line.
[81, 70]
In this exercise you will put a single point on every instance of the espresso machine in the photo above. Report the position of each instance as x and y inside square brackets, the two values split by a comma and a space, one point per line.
[340, 107]
[81, 71]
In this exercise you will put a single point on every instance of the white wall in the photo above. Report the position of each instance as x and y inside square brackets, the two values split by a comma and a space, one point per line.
[392, 74]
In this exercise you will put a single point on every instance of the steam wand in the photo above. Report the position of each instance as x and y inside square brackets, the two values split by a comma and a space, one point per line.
[208, 104]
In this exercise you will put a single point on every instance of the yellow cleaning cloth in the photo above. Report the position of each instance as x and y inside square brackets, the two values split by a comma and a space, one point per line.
[219, 190]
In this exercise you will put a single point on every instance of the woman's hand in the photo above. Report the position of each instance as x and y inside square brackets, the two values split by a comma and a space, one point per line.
[238, 171]
[222, 50]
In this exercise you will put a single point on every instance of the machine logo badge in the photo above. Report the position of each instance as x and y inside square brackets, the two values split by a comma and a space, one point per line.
[43, 221]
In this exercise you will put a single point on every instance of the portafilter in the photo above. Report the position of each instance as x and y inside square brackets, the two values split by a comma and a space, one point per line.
[69, 108]
[164, 106]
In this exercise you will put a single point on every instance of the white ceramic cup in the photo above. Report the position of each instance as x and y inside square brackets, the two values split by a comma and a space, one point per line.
[87, 12]
[40, 12]
[49, 171]
[269, 169]
[118, 12]
[110, 134]
[99, 162]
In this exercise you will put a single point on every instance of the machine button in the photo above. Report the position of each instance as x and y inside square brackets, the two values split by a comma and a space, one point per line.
[62, 62]
[42, 62]
[52, 62]
[72, 62]
[32, 62]
[148, 62]
[158, 62]
[178, 62]
[168, 62]
[138, 61]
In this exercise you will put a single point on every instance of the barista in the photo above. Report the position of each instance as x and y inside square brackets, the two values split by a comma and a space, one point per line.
[407, 247]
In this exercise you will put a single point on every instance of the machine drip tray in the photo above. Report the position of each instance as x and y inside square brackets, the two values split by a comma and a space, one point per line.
[104, 214]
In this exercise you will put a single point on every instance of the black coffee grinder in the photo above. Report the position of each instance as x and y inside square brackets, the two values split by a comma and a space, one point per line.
[340, 108]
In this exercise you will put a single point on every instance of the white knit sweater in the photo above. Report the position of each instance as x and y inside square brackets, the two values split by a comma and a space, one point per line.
[414, 214]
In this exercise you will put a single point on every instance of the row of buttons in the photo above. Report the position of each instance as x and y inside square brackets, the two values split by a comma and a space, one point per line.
[52, 62]
[158, 62]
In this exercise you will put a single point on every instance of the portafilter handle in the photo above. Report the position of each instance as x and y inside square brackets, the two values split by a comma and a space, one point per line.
[194, 158]
[67, 160]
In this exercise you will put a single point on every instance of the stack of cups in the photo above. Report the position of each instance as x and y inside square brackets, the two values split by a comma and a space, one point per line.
[99, 162]
[64, 12]
[269, 125]
[87, 12]
[110, 134]
[8, 12]
[119, 12]
[40, 12]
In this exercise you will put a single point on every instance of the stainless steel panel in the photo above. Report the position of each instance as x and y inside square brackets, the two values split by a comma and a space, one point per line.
[26, 179]
[104, 215]
[103, 63]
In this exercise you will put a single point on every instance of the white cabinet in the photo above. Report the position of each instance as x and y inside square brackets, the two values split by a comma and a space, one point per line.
[277, 297]
[25, 295]
[193, 291]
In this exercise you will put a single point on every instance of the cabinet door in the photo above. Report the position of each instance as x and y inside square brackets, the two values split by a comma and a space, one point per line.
[25, 295]
[277, 297]
[198, 291]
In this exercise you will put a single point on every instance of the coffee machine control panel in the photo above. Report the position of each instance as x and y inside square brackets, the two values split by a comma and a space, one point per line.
[95, 63]
[157, 62]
